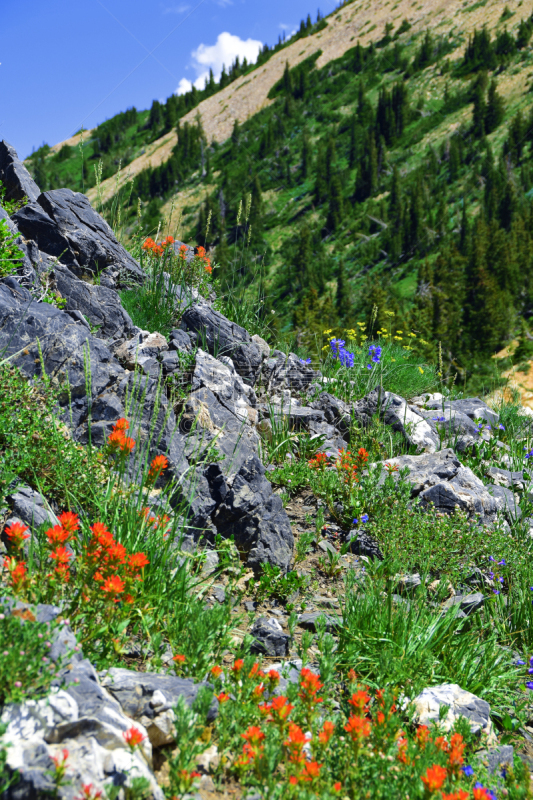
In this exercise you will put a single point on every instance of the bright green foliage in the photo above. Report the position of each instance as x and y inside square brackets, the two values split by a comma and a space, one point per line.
[10, 254]
[35, 447]
[25, 667]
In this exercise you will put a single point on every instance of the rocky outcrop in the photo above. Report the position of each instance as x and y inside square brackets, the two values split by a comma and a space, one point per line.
[440, 480]
[98, 305]
[63, 224]
[16, 179]
[37, 335]
[149, 698]
[220, 337]
[460, 703]
[396, 412]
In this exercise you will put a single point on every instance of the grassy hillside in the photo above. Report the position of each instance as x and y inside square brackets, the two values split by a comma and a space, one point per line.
[385, 178]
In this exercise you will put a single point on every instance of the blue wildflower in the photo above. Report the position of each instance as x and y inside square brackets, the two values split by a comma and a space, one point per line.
[369, 366]
[501, 563]
[501, 427]
[365, 518]
[491, 558]
[519, 662]
[438, 419]
[468, 770]
[529, 685]
[355, 521]
[496, 591]
[305, 360]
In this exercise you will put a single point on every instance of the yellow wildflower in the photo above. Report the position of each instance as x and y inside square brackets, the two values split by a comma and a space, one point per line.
[421, 370]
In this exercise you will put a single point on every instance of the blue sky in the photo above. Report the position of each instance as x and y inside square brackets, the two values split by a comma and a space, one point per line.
[68, 63]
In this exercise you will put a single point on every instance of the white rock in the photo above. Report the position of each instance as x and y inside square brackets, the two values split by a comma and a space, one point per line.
[460, 704]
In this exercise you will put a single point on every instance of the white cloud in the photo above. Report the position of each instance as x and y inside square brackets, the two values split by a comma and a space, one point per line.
[184, 86]
[226, 49]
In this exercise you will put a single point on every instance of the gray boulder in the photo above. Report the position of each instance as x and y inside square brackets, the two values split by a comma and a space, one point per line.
[460, 703]
[15, 177]
[286, 371]
[510, 480]
[507, 502]
[467, 603]
[149, 698]
[30, 507]
[269, 639]
[221, 337]
[65, 345]
[101, 306]
[86, 721]
[64, 645]
[439, 479]
[336, 412]
[310, 618]
[472, 407]
[363, 544]
[396, 412]
[64, 224]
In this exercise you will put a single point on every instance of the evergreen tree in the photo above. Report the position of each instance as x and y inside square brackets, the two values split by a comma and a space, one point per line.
[155, 120]
[367, 173]
[321, 184]
[336, 205]
[495, 110]
[287, 79]
[479, 116]
[306, 157]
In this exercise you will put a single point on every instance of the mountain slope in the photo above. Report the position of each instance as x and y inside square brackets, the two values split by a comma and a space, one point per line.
[355, 21]
[386, 183]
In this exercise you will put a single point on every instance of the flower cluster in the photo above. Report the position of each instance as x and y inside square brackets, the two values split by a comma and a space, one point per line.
[349, 464]
[157, 250]
[103, 568]
[201, 254]
[117, 441]
[290, 740]
[338, 351]
[320, 461]
[374, 351]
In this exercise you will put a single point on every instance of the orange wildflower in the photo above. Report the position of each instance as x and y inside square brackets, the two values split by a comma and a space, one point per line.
[326, 733]
[16, 533]
[434, 778]
[358, 728]
[133, 737]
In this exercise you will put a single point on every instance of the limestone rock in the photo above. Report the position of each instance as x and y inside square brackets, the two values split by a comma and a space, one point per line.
[460, 704]
[17, 180]
[440, 479]
[64, 224]
[269, 638]
[149, 698]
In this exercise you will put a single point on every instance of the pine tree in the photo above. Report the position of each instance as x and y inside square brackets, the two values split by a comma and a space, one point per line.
[479, 115]
[336, 204]
[495, 110]
[306, 157]
[321, 185]
[155, 120]
[352, 154]
[287, 80]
